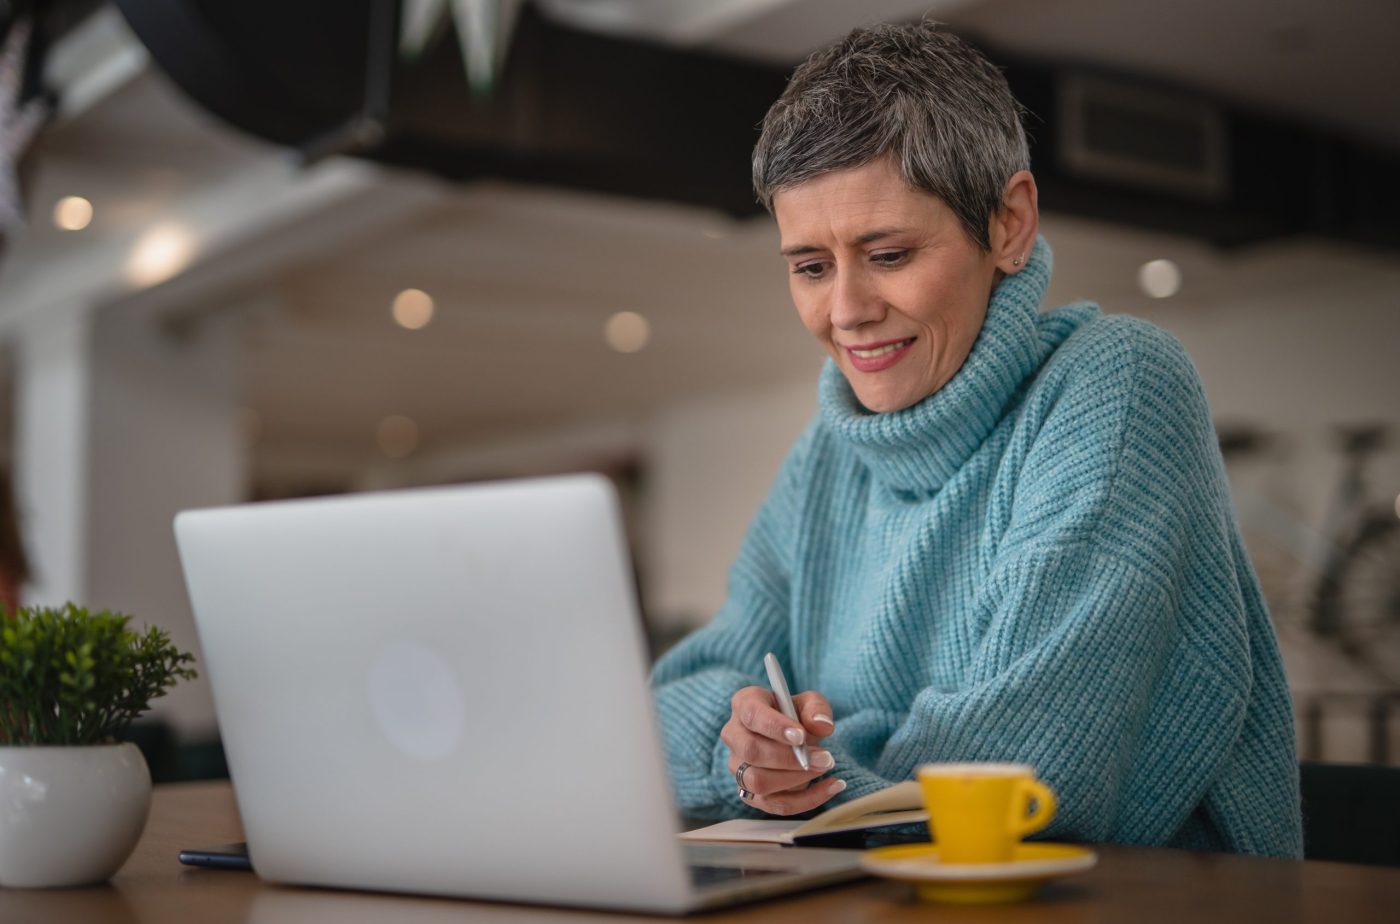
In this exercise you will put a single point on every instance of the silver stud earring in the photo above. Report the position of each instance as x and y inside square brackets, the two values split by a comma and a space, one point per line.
[1016, 262]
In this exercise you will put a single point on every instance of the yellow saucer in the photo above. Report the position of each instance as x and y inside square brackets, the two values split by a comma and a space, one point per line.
[1031, 866]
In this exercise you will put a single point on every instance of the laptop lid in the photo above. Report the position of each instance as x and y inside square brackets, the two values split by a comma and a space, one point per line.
[442, 691]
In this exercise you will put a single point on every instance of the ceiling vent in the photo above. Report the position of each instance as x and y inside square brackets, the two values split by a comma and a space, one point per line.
[1144, 138]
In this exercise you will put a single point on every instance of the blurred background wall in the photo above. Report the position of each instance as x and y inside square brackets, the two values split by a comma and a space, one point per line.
[369, 245]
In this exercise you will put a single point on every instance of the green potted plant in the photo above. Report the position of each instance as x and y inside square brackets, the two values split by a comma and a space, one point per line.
[73, 798]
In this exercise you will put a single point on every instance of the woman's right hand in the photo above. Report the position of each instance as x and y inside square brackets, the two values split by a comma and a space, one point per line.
[759, 735]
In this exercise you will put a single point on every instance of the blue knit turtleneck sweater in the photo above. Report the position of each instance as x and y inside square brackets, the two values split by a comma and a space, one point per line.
[1038, 563]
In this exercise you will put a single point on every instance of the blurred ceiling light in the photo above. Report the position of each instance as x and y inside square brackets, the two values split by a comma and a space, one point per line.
[1160, 278]
[715, 234]
[159, 254]
[413, 309]
[627, 332]
[397, 436]
[72, 213]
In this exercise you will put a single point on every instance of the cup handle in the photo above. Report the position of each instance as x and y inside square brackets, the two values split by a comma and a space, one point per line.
[1023, 823]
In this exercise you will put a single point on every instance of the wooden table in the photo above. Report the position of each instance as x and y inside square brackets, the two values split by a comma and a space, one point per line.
[1130, 884]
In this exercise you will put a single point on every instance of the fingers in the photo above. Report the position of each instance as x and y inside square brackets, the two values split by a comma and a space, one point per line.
[758, 735]
[766, 781]
[796, 801]
[753, 708]
[815, 713]
[745, 746]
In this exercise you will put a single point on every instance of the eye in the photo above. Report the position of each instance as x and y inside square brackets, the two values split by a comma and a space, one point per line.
[889, 257]
[813, 269]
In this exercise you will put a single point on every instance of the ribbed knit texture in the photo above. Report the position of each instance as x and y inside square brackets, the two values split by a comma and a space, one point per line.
[1039, 563]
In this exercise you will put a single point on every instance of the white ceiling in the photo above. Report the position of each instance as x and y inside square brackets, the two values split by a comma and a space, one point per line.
[524, 278]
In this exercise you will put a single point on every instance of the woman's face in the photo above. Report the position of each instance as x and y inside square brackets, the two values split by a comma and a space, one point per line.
[885, 277]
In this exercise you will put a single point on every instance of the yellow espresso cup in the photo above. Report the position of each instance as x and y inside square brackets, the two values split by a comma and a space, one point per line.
[979, 811]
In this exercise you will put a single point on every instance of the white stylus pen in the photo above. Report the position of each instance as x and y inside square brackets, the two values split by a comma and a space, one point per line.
[778, 682]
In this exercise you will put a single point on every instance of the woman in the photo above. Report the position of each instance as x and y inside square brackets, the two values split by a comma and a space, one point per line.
[1007, 535]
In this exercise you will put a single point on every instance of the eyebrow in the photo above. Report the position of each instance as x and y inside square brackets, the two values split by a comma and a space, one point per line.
[866, 238]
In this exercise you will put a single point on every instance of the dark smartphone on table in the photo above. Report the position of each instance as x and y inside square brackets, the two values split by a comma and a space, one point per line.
[224, 856]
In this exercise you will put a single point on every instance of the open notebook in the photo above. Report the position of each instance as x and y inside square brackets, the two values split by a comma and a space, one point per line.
[899, 804]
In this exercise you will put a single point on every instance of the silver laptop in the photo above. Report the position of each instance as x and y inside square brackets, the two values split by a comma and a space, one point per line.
[444, 691]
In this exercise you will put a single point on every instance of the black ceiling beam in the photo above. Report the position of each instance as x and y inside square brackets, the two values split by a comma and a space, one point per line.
[1283, 178]
[587, 111]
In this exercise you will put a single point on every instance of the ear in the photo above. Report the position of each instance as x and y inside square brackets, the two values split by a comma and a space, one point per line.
[1014, 226]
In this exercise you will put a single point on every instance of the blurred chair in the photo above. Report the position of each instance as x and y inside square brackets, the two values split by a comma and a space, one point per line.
[154, 739]
[1351, 813]
[200, 760]
[176, 761]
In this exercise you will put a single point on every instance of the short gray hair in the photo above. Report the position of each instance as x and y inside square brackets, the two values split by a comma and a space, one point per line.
[920, 95]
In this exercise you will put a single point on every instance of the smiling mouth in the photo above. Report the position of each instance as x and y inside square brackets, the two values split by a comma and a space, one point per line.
[877, 357]
[885, 350]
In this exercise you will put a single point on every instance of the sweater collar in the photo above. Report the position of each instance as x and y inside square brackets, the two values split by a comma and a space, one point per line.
[919, 448]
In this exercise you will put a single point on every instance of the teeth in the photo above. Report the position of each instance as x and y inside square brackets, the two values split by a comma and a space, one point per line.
[881, 351]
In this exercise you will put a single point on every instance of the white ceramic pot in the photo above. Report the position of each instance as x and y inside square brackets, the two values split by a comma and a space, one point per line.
[69, 815]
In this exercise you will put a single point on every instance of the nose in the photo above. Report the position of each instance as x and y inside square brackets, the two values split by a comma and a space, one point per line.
[855, 300]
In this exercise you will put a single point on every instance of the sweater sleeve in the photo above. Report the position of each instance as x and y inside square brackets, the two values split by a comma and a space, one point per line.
[694, 681]
[1078, 651]
[1122, 650]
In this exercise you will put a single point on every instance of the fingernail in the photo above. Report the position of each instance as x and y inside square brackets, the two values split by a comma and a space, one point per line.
[836, 786]
[824, 719]
[822, 760]
[793, 735]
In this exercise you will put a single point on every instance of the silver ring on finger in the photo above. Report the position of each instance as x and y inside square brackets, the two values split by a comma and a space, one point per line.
[739, 776]
[745, 794]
